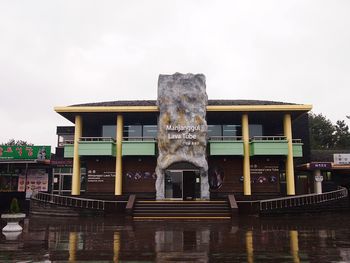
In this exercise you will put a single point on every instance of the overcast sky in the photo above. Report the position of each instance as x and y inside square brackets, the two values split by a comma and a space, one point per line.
[57, 53]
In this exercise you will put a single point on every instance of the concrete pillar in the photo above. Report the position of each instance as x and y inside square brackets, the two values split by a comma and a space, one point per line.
[246, 157]
[76, 158]
[118, 158]
[294, 245]
[318, 178]
[287, 125]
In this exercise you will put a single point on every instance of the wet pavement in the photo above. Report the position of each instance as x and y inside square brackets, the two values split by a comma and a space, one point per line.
[304, 238]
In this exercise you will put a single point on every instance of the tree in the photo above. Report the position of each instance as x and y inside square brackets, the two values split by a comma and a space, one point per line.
[13, 142]
[321, 132]
[342, 135]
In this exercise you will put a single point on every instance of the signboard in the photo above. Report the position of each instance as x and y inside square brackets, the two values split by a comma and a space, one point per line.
[341, 158]
[25, 152]
[100, 178]
[262, 173]
[321, 165]
[61, 163]
[186, 133]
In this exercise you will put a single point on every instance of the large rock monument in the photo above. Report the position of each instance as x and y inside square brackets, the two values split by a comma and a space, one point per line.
[182, 127]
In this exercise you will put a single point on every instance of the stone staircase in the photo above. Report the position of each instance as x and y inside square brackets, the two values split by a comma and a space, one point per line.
[147, 209]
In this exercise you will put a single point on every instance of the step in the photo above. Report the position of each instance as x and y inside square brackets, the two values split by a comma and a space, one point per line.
[181, 206]
[143, 218]
[172, 209]
[180, 211]
[184, 214]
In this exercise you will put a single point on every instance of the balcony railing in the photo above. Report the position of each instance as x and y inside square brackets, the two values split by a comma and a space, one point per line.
[225, 138]
[139, 146]
[226, 145]
[268, 138]
[144, 138]
[218, 145]
[96, 146]
[268, 145]
[97, 139]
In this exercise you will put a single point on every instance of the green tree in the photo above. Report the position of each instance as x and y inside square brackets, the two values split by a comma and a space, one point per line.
[13, 142]
[342, 135]
[321, 132]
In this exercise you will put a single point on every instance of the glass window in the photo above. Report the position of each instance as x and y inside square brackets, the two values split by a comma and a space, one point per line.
[214, 132]
[63, 138]
[255, 130]
[5, 183]
[109, 131]
[133, 132]
[149, 132]
[231, 131]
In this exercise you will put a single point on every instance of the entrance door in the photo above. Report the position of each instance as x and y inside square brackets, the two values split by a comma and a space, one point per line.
[173, 184]
[62, 183]
[182, 184]
[189, 182]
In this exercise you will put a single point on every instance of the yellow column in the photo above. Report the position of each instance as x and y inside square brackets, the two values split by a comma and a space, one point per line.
[294, 245]
[76, 158]
[249, 246]
[118, 157]
[287, 125]
[73, 245]
[116, 246]
[246, 157]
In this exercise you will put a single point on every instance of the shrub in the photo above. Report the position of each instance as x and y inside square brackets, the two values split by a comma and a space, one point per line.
[14, 207]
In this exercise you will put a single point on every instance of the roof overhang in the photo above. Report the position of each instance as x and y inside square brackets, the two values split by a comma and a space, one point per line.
[69, 112]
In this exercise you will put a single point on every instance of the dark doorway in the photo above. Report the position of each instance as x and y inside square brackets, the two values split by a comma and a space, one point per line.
[190, 182]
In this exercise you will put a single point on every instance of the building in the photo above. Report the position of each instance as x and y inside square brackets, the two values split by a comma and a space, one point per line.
[23, 170]
[183, 146]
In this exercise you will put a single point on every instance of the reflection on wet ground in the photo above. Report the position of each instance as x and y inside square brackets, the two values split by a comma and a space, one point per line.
[306, 238]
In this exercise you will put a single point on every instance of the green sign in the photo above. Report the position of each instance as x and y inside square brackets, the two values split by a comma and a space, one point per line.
[25, 152]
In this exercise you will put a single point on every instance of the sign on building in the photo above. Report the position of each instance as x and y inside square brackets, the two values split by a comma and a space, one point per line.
[341, 158]
[25, 152]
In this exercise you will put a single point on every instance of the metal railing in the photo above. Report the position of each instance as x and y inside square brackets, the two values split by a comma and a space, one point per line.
[143, 138]
[269, 138]
[210, 138]
[301, 200]
[225, 138]
[97, 139]
[93, 204]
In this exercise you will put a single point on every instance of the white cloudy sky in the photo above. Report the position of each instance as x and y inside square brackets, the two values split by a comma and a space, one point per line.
[57, 53]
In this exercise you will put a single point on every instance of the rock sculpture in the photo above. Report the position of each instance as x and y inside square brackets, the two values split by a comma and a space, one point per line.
[182, 127]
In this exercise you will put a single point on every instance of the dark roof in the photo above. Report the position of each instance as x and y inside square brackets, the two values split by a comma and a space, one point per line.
[154, 103]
